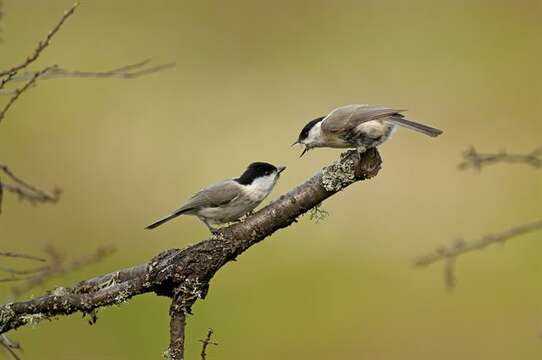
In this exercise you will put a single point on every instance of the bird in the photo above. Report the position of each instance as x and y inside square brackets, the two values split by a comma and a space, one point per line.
[229, 200]
[357, 126]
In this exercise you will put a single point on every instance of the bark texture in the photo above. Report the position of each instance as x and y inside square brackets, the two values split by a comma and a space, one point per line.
[184, 274]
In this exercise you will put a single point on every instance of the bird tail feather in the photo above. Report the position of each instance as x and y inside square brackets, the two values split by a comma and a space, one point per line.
[424, 129]
[166, 219]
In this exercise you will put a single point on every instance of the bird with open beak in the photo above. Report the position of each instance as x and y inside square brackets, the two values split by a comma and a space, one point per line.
[357, 126]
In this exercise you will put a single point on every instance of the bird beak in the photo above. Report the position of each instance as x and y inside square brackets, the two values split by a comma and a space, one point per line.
[295, 143]
[280, 169]
[304, 151]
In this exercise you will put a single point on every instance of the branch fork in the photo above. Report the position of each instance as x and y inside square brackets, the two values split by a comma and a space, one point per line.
[184, 274]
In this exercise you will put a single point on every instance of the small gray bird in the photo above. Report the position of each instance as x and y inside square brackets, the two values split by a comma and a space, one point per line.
[357, 126]
[229, 200]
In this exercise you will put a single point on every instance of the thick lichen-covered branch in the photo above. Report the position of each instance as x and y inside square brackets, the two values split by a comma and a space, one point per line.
[184, 274]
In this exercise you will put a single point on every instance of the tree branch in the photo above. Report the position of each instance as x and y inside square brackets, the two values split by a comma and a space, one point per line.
[184, 274]
[177, 327]
[206, 342]
[475, 160]
[460, 247]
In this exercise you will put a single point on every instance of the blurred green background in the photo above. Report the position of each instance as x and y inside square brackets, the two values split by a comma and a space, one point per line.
[249, 75]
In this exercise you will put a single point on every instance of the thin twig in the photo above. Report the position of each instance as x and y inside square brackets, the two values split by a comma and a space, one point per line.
[130, 71]
[24, 190]
[57, 266]
[7, 79]
[10, 279]
[206, 342]
[23, 271]
[21, 256]
[460, 247]
[37, 276]
[42, 44]
[20, 91]
[474, 159]
[9, 350]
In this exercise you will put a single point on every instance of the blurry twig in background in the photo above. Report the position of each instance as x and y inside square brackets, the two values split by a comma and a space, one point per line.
[41, 45]
[474, 159]
[18, 92]
[13, 74]
[449, 254]
[24, 190]
[56, 266]
[10, 346]
[129, 71]
[14, 272]
[21, 256]
[206, 342]
[1, 16]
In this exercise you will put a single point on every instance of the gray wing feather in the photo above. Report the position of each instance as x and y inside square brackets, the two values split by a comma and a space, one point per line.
[347, 118]
[213, 196]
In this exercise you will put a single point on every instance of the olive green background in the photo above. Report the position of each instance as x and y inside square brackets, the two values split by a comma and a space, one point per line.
[249, 75]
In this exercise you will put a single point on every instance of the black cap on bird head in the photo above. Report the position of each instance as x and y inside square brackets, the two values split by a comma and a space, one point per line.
[305, 133]
[257, 170]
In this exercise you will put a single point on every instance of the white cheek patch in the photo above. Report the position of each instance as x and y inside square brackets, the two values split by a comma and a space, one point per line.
[261, 187]
[314, 134]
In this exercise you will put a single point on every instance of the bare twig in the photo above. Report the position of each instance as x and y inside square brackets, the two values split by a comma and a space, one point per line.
[474, 159]
[41, 45]
[20, 91]
[460, 247]
[9, 349]
[184, 274]
[10, 279]
[10, 345]
[38, 276]
[24, 190]
[56, 267]
[130, 71]
[206, 342]
[23, 271]
[21, 256]
[7, 79]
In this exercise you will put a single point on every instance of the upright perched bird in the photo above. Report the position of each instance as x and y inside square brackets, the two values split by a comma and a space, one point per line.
[229, 200]
[357, 126]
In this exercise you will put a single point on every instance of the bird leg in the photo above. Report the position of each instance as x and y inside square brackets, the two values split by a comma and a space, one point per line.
[360, 150]
[211, 229]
